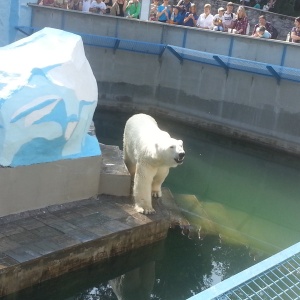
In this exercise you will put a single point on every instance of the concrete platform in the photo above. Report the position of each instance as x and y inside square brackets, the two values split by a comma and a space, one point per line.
[41, 244]
[49, 242]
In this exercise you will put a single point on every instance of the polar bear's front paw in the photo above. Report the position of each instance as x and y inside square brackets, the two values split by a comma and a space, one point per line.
[156, 194]
[145, 211]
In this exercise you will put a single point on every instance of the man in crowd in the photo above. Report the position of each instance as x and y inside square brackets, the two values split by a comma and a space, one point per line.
[229, 17]
[263, 22]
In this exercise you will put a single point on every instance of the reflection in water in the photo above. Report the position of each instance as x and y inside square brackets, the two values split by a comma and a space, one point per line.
[135, 284]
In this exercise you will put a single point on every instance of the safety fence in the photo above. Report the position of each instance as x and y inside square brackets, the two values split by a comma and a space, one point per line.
[276, 278]
[226, 62]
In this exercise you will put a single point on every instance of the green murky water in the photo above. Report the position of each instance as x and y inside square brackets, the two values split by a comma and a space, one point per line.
[244, 201]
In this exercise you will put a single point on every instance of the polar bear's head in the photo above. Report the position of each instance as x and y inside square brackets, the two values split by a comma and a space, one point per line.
[171, 152]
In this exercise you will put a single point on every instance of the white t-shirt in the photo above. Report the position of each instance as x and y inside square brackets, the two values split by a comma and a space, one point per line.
[86, 4]
[228, 18]
[205, 21]
[100, 5]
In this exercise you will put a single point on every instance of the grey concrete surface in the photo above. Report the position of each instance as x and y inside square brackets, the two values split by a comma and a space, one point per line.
[36, 186]
[58, 239]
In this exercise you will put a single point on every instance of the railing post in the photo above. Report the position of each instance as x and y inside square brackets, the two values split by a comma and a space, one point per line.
[145, 10]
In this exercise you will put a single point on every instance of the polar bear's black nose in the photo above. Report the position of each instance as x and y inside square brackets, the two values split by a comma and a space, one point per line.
[181, 155]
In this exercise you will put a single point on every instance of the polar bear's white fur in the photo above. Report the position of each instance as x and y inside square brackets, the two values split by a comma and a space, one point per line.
[149, 152]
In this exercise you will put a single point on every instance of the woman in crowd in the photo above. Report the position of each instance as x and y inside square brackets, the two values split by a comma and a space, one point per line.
[295, 32]
[133, 9]
[118, 8]
[240, 25]
[205, 20]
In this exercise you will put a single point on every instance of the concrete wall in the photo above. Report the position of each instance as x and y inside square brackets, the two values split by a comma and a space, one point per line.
[240, 104]
[40, 185]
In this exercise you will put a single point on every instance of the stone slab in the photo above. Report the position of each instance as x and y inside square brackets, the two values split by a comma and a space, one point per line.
[55, 240]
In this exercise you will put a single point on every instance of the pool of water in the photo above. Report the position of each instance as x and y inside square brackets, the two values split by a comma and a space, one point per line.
[242, 201]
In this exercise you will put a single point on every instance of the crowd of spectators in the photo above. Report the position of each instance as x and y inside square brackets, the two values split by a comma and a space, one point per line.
[183, 13]
[119, 8]
[226, 20]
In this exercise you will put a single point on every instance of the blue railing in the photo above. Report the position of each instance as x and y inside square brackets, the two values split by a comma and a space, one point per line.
[226, 62]
[277, 277]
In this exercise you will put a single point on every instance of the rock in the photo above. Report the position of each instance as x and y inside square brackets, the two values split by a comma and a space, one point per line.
[48, 95]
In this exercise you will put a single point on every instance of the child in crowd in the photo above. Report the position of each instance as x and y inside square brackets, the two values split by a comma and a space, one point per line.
[178, 18]
[262, 32]
[218, 20]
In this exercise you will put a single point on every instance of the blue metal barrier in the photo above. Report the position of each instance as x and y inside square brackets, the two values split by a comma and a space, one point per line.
[277, 277]
[226, 62]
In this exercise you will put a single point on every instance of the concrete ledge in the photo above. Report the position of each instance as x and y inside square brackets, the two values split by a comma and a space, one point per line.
[114, 177]
[58, 239]
[40, 185]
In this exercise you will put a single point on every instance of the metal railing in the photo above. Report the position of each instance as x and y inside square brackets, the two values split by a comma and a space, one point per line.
[276, 278]
[226, 62]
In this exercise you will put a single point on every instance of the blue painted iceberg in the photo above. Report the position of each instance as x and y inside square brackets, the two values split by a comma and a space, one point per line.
[48, 95]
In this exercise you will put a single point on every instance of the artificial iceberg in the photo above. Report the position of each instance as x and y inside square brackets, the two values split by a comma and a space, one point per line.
[48, 95]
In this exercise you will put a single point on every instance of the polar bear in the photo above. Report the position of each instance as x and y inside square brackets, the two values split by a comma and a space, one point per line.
[149, 153]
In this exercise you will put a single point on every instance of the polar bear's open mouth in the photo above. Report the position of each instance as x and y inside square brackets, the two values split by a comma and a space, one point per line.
[179, 160]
